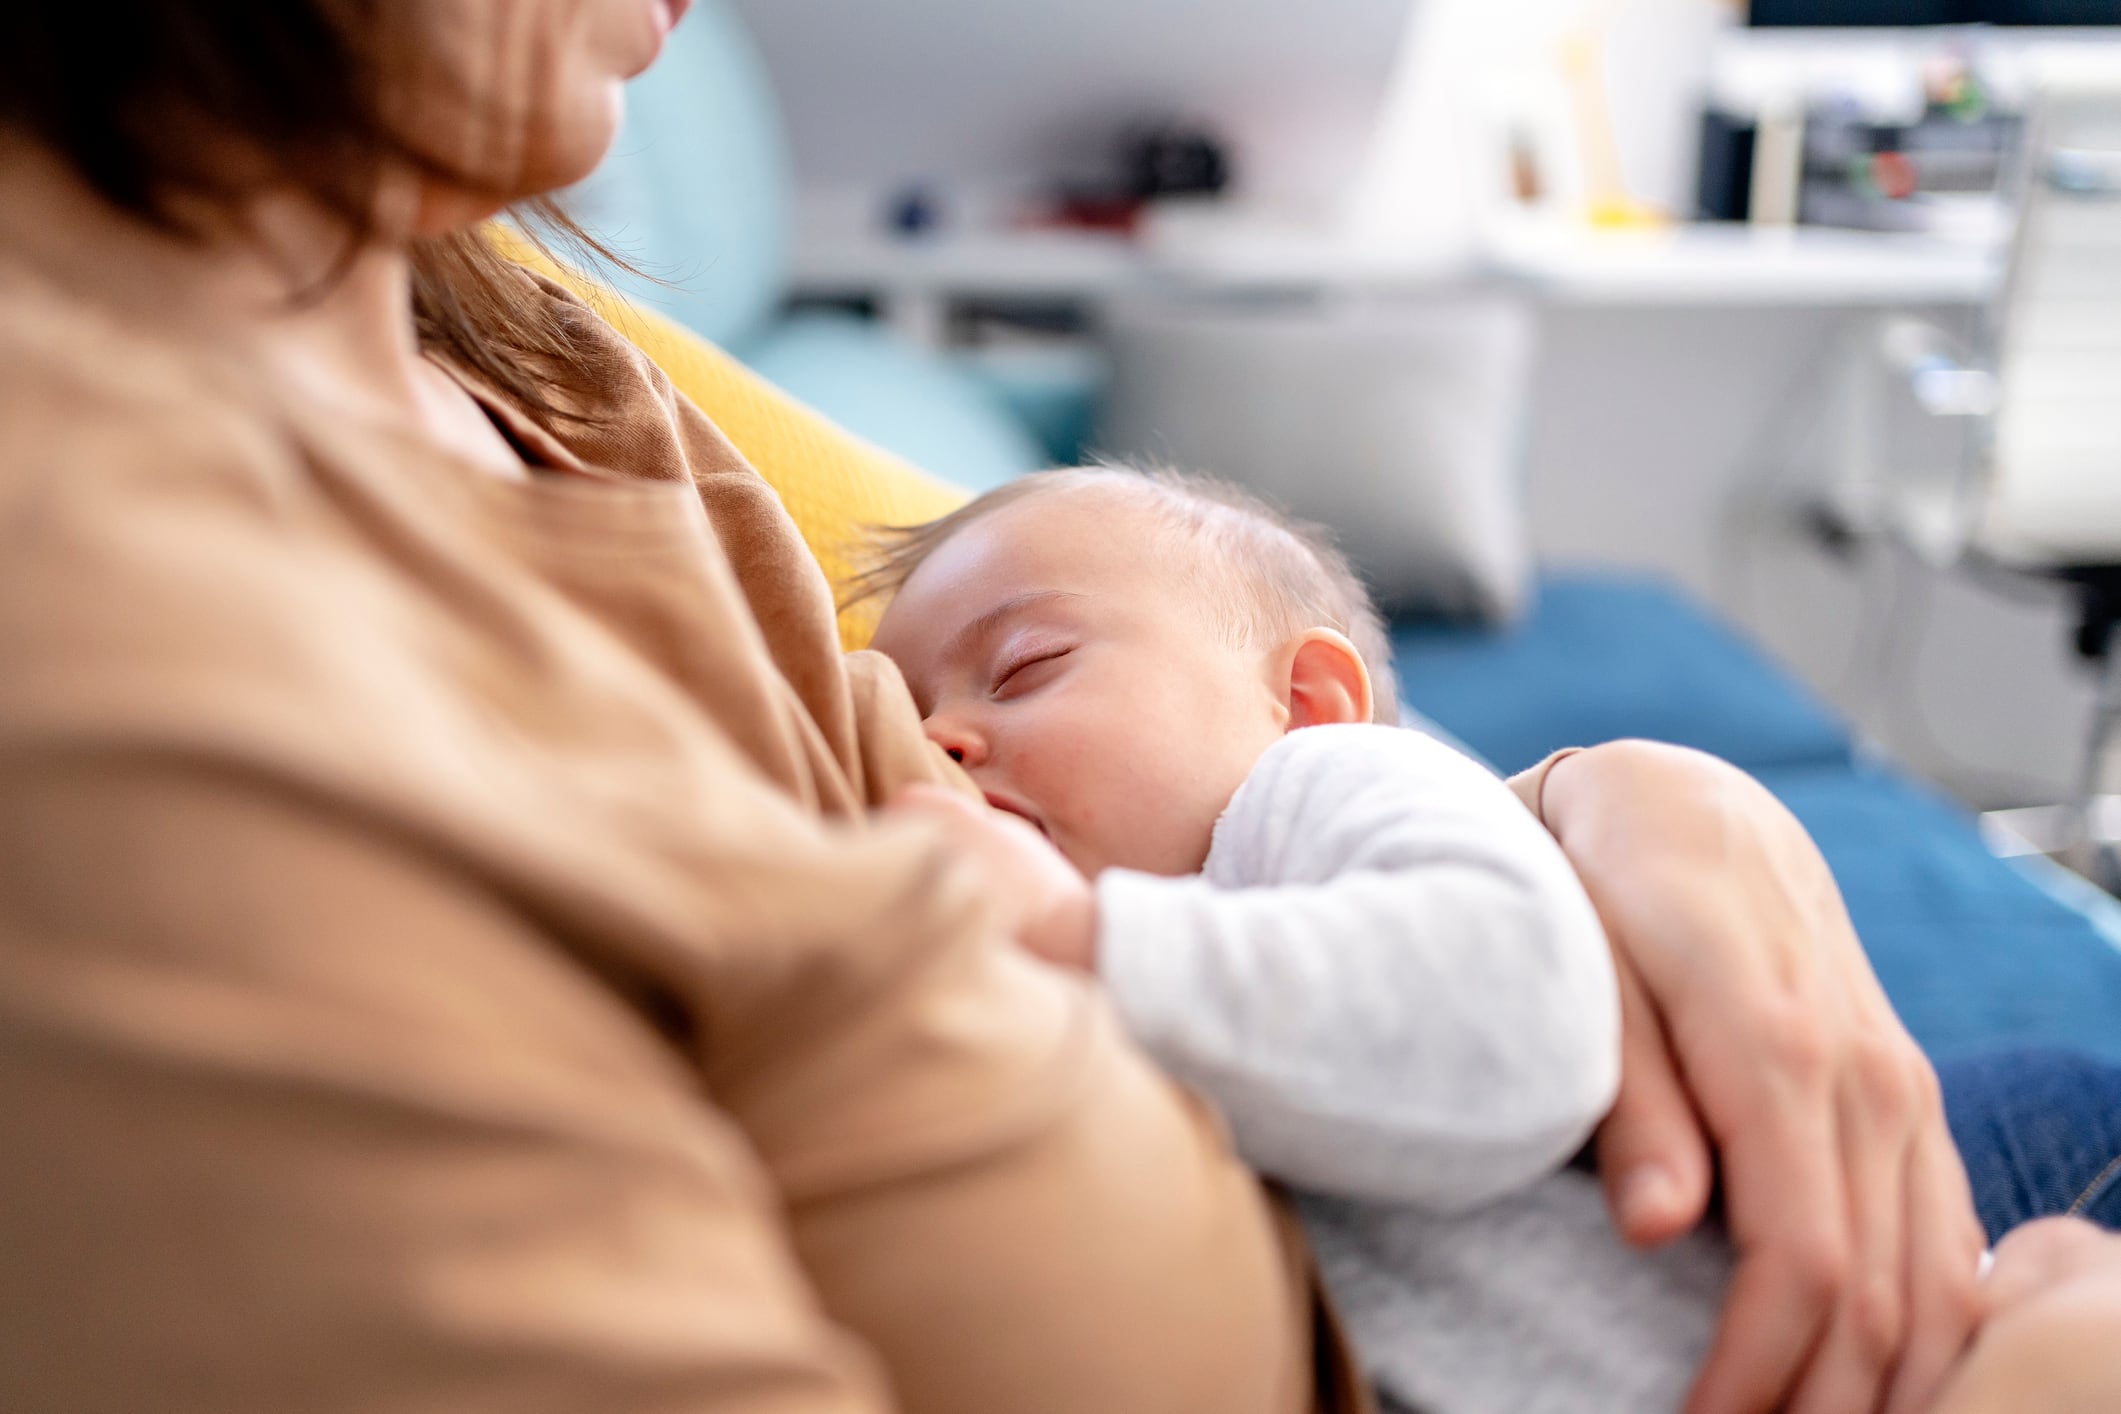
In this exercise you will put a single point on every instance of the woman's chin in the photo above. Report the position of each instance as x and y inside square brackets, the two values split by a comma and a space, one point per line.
[663, 18]
[572, 153]
[556, 159]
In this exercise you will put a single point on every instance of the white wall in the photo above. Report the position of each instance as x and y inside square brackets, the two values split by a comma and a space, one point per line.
[985, 94]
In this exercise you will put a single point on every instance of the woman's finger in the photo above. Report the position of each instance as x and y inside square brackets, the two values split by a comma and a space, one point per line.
[1770, 1104]
[1653, 1155]
[1945, 1299]
[1855, 1358]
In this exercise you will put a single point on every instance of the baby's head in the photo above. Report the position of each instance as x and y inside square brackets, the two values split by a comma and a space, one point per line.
[1108, 652]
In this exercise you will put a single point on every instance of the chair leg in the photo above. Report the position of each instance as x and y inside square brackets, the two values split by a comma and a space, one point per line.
[2099, 858]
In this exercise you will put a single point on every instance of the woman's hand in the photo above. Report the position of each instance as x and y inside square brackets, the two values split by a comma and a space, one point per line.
[1055, 907]
[1753, 1027]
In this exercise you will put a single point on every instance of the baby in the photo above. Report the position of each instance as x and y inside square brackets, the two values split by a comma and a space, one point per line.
[1356, 941]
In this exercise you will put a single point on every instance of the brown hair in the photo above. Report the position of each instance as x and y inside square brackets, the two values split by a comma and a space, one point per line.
[1267, 575]
[124, 91]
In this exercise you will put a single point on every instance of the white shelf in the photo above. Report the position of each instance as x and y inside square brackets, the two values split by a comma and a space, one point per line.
[1681, 267]
[1037, 264]
[1742, 265]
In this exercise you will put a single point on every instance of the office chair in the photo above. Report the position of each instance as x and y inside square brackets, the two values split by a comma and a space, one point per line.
[2038, 390]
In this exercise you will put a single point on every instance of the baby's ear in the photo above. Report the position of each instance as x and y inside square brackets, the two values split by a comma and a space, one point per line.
[1328, 682]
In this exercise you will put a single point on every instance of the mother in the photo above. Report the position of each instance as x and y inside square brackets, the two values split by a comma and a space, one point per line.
[445, 960]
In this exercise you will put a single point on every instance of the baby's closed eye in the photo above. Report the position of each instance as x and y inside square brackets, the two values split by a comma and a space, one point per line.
[1027, 671]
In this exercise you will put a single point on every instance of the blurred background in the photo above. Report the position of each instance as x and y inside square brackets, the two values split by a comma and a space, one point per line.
[1617, 334]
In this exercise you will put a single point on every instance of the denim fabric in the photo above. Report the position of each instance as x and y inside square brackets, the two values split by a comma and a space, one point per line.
[2040, 1131]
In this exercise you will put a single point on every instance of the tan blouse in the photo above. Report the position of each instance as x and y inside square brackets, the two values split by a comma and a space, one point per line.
[444, 964]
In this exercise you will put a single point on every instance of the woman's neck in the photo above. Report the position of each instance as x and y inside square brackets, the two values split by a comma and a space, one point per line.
[283, 296]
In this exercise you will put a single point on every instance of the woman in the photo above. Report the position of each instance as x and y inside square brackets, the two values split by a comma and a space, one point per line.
[444, 958]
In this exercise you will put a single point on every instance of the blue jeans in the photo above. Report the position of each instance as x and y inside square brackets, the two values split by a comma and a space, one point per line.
[2040, 1131]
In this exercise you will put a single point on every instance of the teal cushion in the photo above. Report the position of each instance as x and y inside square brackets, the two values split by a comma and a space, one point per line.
[695, 189]
[1055, 392]
[902, 398]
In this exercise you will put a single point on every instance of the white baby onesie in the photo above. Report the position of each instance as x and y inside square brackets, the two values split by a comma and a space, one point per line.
[1389, 979]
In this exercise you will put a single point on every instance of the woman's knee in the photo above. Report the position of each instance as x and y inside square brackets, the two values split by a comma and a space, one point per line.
[2040, 1131]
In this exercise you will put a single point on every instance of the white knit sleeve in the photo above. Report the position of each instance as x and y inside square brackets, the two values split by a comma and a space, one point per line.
[1388, 977]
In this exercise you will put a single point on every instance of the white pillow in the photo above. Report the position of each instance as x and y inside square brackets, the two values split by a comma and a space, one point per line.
[1395, 422]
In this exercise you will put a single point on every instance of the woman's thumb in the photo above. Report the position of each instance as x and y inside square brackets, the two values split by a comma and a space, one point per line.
[1653, 1153]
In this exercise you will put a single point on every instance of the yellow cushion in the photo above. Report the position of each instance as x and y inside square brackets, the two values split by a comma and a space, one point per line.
[833, 483]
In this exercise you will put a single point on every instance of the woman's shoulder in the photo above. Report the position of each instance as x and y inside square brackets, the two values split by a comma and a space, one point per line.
[114, 438]
[151, 542]
[91, 408]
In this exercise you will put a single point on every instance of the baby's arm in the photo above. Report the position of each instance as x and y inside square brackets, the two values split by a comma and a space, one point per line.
[1388, 977]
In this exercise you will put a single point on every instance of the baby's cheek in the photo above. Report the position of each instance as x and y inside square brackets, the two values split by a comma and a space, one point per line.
[1153, 830]
[1099, 832]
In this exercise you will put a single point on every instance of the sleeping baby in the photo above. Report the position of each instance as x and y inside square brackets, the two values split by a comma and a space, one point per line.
[1352, 938]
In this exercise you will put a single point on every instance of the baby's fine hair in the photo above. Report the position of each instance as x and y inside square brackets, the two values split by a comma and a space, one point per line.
[1265, 575]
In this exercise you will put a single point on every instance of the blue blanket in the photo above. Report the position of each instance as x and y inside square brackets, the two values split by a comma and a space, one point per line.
[1974, 951]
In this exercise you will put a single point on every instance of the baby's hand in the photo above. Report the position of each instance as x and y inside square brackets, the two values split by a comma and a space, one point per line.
[1056, 907]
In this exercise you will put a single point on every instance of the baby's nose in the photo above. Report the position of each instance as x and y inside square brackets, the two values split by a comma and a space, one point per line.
[958, 741]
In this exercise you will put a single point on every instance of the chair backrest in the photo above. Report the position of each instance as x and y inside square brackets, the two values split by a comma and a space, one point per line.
[2053, 495]
[695, 190]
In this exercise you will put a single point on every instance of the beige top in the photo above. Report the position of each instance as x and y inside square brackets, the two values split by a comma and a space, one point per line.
[444, 964]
